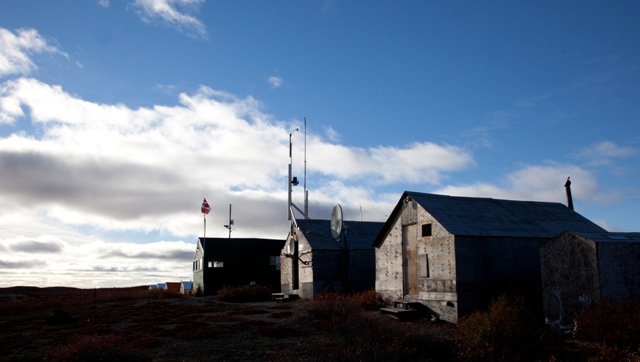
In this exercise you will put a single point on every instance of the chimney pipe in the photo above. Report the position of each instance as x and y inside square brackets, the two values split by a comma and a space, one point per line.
[567, 186]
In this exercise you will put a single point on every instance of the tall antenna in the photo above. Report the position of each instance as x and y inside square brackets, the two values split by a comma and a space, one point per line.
[293, 181]
[290, 180]
[306, 193]
[230, 222]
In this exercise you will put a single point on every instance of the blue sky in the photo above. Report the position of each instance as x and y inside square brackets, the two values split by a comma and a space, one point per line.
[118, 117]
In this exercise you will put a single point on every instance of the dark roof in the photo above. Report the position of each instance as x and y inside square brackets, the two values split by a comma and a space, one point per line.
[360, 234]
[224, 246]
[611, 237]
[474, 216]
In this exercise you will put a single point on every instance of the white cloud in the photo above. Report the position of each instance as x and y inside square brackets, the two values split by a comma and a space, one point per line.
[605, 152]
[332, 134]
[175, 13]
[98, 170]
[422, 163]
[103, 3]
[16, 48]
[538, 182]
[82, 261]
[275, 82]
[117, 168]
[95, 173]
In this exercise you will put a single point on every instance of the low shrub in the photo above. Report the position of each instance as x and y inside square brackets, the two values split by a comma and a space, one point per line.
[507, 331]
[361, 335]
[613, 323]
[244, 293]
[369, 300]
[606, 353]
[99, 348]
[328, 306]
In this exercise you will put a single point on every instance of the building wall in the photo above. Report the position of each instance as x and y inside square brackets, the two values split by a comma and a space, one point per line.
[322, 270]
[305, 268]
[489, 267]
[577, 266]
[619, 270]
[435, 263]
[569, 266]
[362, 273]
[389, 274]
[198, 274]
[236, 263]
[456, 275]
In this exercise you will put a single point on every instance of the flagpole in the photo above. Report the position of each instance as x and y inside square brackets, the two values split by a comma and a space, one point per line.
[205, 210]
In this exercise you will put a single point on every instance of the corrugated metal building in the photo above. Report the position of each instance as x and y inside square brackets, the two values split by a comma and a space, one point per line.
[313, 261]
[455, 254]
[578, 268]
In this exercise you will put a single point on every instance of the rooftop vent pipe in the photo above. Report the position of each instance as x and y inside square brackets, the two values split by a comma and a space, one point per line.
[567, 186]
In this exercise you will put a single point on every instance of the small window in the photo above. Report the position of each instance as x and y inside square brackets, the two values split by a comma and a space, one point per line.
[210, 264]
[423, 266]
[218, 264]
[426, 230]
[274, 260]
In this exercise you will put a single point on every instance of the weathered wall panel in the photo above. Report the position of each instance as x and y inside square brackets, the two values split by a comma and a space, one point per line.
[389, 265]
[435, 269]
[492, 266]
[569, 268]
[619, 270]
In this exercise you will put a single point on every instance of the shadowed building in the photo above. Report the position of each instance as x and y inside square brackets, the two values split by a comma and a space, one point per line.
[243, 261]
[314, 261]
[581, 268]
[455, 254]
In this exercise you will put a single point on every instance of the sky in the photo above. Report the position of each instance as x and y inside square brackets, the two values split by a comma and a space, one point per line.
[118, 117]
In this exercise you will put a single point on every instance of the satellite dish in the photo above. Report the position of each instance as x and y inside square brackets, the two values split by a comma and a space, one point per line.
[336, 221]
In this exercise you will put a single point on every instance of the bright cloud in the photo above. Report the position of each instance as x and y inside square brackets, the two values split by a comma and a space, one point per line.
[90, 263]
[538, 182]
[175, 13]
[17, 48]
[141, 169]
[108, 168]
[603, 153]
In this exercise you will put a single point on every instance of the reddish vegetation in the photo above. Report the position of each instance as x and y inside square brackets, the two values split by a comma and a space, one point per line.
[133, 324]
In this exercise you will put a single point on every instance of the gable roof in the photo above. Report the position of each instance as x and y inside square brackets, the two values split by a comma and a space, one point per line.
[475, 216]
[239, 246]
[360, 234]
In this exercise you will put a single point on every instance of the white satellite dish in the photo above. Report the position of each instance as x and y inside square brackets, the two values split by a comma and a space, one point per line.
[336, 221]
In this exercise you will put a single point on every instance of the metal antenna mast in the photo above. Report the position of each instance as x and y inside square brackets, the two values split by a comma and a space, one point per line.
[293, 181]
[230, 222]
[306, 193]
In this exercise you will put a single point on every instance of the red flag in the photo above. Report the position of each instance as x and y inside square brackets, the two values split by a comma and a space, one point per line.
[205, 207]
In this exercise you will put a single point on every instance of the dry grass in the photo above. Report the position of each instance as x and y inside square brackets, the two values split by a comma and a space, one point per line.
[139, 327]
